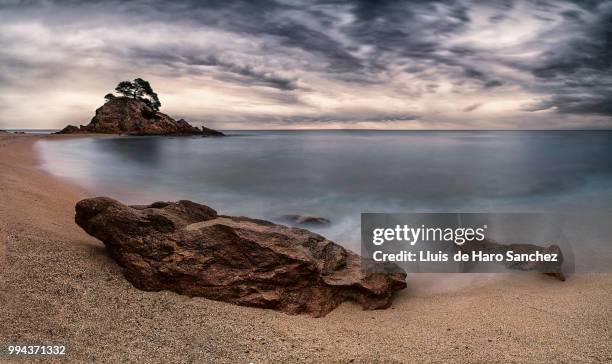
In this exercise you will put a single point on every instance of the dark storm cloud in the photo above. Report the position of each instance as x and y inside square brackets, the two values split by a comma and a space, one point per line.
[393, 30]
[179, 58]
[288, 52]
[416, 32]
[578, 74]
[315, 41]
[472, 107]
[487, 83]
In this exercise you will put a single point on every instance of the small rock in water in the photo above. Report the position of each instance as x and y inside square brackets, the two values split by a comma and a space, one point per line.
[305, 220]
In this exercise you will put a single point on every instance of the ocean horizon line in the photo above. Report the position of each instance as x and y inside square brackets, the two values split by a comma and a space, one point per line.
[362, 129]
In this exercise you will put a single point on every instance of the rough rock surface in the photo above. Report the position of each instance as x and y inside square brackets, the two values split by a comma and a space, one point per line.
[305, 220]
[550, 268]
[187, 248]
[122, 115]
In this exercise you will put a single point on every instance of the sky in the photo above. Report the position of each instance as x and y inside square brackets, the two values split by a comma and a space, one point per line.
[273, 64]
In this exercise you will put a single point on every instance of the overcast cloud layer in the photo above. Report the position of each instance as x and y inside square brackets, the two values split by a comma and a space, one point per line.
[318, 64]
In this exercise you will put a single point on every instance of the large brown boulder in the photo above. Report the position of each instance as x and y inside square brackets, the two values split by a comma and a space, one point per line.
[122, 115]
[189, 249]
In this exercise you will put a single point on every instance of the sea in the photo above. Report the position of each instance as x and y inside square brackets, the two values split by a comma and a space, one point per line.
[340, 174]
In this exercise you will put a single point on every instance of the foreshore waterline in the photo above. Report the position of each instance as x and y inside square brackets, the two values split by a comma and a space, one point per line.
[337, 175]
[61, 286]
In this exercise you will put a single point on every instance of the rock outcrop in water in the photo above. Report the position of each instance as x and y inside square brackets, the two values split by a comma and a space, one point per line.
[305, 220]
[552, 268]
[122, 115]
[189, 249]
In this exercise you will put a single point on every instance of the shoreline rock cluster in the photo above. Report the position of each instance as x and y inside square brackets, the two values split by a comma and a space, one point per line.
[188, 248]
[123, 115]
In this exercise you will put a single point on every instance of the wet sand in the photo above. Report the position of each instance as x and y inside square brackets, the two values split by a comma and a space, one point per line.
[58, 285]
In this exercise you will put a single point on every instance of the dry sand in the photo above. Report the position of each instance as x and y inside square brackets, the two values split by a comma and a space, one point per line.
[60, 286]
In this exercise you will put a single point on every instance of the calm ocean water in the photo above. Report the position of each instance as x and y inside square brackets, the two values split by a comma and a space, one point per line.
[339, 174]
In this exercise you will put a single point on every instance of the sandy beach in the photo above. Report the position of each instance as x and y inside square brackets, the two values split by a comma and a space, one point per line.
[59, 286]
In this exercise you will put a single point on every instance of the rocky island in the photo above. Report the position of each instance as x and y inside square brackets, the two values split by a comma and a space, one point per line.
[136, 112]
